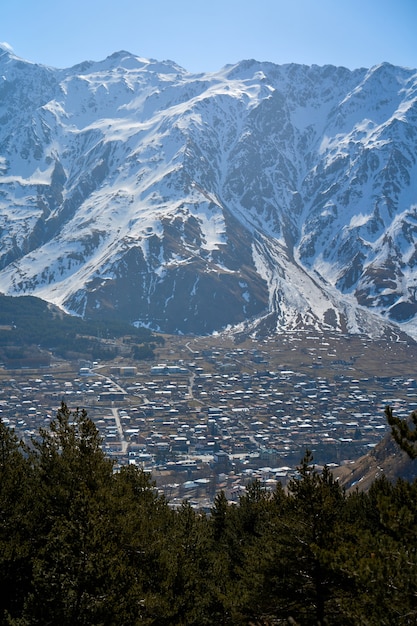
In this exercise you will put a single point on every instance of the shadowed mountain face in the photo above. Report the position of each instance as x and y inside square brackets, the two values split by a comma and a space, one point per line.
[279, 197]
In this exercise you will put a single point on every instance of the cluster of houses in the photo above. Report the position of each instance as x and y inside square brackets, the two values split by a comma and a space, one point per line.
[214, 421]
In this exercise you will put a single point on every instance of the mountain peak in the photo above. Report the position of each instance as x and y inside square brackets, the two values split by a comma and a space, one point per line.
[129, 61]
[5, 48]
[7, 52]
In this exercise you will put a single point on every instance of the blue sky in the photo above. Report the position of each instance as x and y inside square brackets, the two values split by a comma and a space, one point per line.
[206, 35]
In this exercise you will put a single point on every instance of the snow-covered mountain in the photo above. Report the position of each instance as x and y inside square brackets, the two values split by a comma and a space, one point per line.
[281, 195]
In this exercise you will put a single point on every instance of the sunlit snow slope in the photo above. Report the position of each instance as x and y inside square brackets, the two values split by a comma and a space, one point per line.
[281, 195]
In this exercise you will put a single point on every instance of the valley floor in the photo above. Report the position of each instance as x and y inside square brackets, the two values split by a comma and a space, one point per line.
[210, 414]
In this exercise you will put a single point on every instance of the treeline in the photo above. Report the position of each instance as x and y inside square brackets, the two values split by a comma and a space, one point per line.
[83, 544]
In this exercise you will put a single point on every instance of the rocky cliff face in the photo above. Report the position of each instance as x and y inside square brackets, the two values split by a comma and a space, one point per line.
[281, 196]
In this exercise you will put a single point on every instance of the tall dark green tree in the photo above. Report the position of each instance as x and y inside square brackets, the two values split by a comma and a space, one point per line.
[383, 556]
[141, 524]
[70, 583]
[231, 543]
[313, 537]
[262, 567]
[17, 497]
[186, 594]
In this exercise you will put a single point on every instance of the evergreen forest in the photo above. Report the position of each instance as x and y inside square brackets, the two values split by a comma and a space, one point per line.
[83, 544]
[29, 327]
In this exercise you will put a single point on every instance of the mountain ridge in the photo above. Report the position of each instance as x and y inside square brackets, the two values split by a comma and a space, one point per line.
[195, 202]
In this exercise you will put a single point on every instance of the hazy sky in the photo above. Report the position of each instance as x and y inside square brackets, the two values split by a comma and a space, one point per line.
[206, 35]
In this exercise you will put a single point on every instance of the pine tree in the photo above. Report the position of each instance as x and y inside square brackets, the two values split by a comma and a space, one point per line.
[315, 509]
[186, 593]
[228, 553]
[16, 502]
[69, 584]
[377, 555]
[141, 526]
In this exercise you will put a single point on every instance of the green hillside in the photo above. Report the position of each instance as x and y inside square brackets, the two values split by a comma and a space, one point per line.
[28, 325]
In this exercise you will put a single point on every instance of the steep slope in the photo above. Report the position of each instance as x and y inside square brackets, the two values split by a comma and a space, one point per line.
[386, 459]
[131, 188]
